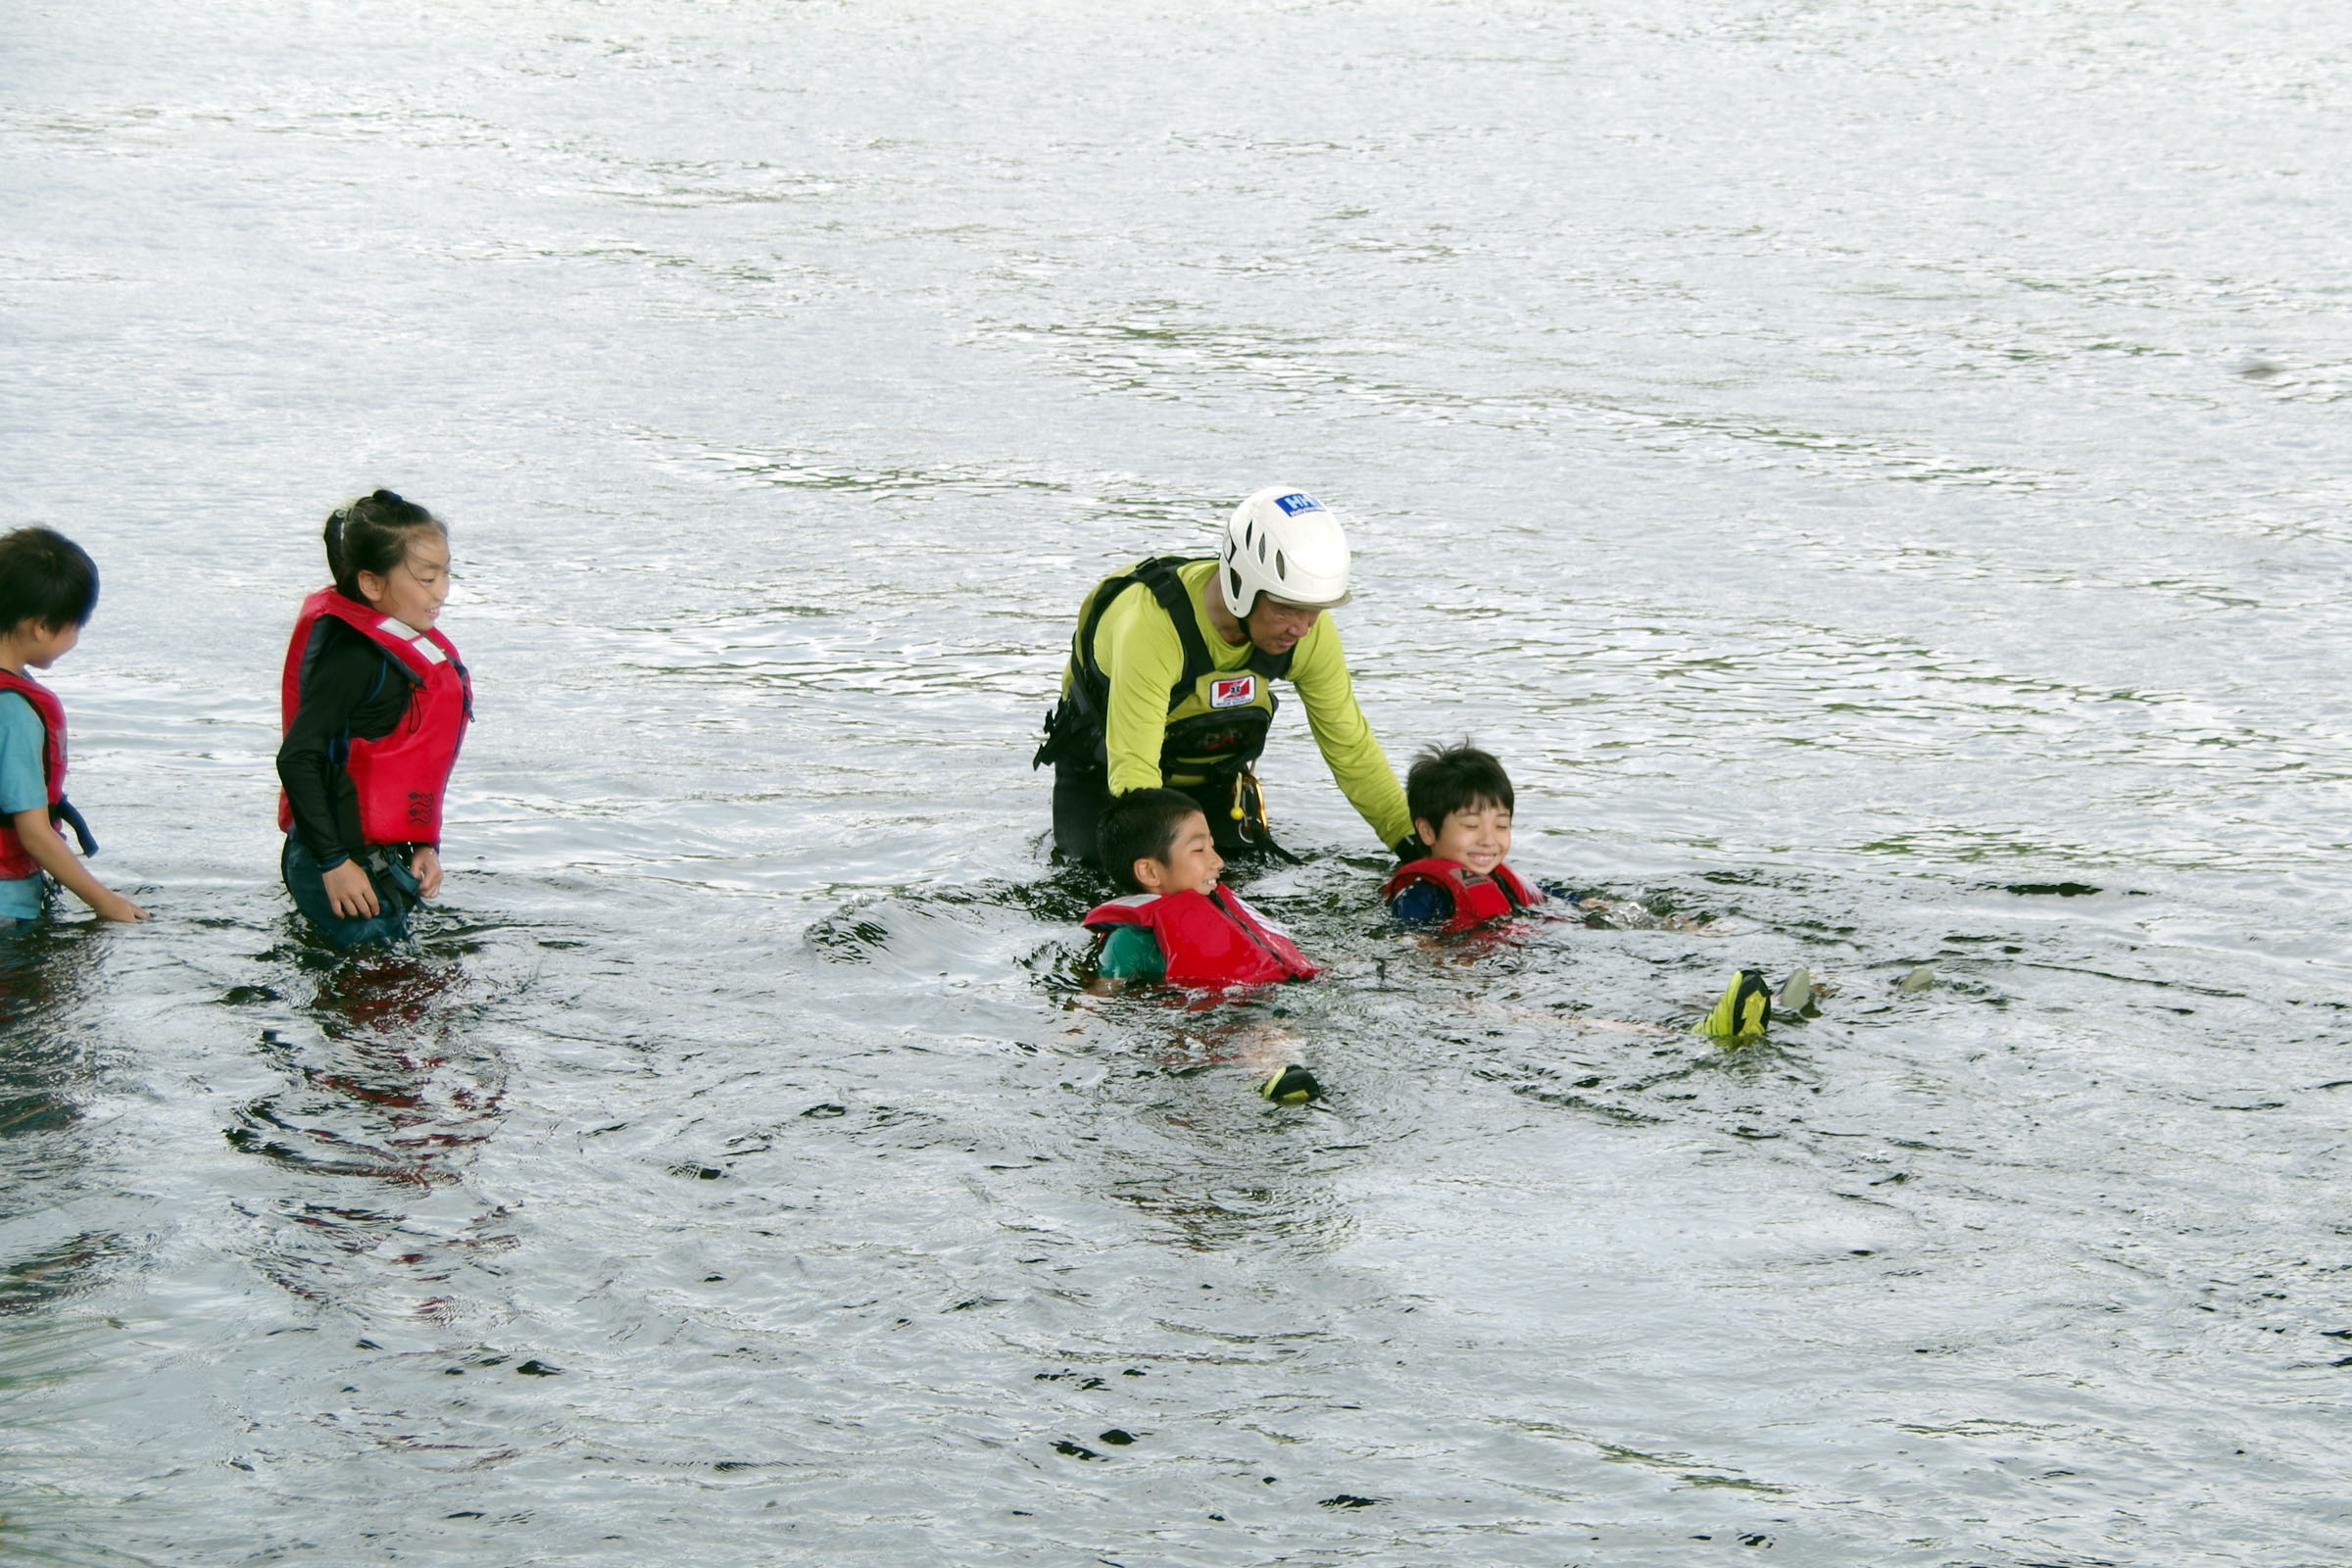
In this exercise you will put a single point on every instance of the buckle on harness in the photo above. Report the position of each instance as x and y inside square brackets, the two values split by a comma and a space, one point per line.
[1250, 811]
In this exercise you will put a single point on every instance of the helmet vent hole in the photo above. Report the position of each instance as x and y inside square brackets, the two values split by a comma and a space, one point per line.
[1280, 570]
[1235, 578]
[1261, 549]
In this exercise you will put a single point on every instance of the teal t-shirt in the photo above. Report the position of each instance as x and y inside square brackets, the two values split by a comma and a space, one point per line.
[1130, 953]
[21, 788]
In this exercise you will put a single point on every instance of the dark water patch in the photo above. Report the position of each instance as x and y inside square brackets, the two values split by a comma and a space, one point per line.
[67, 1269]
[35, 1114]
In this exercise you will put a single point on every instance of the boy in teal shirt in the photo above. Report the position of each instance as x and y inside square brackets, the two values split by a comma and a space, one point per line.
[48, 587]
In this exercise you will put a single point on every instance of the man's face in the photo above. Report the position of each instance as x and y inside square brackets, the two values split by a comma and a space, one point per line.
[1276, 627]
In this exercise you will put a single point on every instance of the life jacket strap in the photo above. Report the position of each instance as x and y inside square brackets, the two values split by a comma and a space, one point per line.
[62, 811]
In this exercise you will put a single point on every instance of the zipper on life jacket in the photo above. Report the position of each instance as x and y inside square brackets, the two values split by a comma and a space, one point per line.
[1249, 929]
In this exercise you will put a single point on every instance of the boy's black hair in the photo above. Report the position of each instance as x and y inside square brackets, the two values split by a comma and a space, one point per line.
[47, 577]
[373, 534]
[1140, 825]
[1441, 782]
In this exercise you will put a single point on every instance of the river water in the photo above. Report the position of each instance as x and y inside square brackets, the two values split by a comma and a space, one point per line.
[1875, 472]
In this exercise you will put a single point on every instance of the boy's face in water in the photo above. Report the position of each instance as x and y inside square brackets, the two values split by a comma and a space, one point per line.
[1478, 836]
[1193, 865]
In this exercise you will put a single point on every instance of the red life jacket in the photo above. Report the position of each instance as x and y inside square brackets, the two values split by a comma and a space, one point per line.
[399, 777]
[15, 863]
[1476, 898]
[1208, 939]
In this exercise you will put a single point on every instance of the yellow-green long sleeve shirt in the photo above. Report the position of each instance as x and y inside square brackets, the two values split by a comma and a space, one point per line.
[1139, 652]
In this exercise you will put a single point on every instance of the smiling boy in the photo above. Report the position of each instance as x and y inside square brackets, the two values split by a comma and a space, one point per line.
[1461, 803]
[1178, 922]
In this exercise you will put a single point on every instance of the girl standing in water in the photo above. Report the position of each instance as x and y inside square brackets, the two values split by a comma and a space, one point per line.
[375, 705]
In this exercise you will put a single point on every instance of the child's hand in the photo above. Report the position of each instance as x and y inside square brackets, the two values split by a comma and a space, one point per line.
[349, 891]
[112, 905]
[425, 866]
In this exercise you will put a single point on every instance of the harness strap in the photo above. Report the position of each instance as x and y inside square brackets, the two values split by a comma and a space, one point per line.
[1159, 575]
[1075, 726]
[1250, 809]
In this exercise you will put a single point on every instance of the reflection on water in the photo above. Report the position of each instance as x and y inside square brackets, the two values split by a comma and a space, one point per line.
[54, 1067]
[1869, 474]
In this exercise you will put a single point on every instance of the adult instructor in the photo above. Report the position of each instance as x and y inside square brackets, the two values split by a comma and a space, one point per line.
[1171, 671]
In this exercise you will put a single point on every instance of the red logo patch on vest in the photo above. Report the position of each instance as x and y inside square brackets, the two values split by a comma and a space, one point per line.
[1234, 691]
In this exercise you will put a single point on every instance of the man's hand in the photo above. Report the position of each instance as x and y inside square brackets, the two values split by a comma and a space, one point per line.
[425, 866]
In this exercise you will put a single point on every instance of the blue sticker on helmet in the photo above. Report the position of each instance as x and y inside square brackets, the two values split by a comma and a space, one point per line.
[1296, 501]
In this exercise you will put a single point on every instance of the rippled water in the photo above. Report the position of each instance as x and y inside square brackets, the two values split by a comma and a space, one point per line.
[1875, 472]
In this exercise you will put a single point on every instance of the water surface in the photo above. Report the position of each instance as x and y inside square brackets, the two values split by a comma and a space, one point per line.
[1873, 472]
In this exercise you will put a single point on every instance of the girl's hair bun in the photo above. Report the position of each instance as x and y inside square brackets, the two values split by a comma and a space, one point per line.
[373, 534]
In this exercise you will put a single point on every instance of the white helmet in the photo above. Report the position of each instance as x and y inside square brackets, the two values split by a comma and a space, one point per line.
[1282, 543]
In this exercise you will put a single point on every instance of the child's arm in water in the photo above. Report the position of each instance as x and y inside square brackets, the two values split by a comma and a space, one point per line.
[1130, 955]
[50, 852]
[1424, 904]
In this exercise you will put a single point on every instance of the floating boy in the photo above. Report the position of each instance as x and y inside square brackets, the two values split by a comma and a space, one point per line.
[1178, 923]
[1461, 801]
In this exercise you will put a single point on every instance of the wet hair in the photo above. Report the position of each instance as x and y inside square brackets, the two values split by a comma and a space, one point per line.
[373, 534]
[1454, 778]
[47, 577]
[1140, 825]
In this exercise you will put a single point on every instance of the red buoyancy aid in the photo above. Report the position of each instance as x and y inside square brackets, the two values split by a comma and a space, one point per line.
[1208, 939]
[15, 863]
[1476, 898]
[400, 777]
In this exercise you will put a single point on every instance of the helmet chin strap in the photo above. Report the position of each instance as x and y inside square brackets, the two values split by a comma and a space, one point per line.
[1220, 610]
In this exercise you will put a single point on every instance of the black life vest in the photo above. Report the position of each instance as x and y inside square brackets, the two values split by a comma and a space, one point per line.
[1217, 718]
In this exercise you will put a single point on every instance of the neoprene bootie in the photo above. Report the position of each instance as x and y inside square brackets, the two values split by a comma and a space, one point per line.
[1292, 1086]
[1745, 1011]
